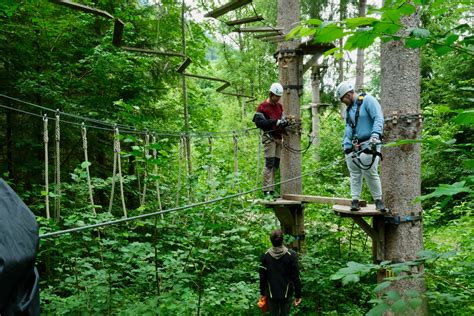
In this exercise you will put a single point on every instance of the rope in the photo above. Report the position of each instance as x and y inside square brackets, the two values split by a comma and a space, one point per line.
[111, 126]
[155, 171]
[236, 165]
[57, 201]
[46, 163]
[259, 158]
[179, 169]
[117, 162]
[86, 159]
[133, 218]
[146, 151]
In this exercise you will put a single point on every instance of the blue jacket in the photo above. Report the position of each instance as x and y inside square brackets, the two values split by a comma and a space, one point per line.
[370, 121]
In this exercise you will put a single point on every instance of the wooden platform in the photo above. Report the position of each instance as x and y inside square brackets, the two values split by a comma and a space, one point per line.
[321, 199]
[276, 202]
[368, 210]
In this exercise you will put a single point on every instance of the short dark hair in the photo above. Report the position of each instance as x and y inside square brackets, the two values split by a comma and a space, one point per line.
[276, 237]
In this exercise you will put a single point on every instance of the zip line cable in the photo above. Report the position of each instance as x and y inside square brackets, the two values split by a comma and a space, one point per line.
[123, 128]
[133, 218]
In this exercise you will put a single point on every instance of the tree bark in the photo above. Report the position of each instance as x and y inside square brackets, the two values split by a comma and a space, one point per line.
[401, 167]
[290, 64]
[359, 83]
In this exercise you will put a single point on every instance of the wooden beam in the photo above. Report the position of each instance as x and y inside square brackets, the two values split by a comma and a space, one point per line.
[267, 35]
[83, 8]
[376, 236]
[245, 20]
[226, 8]
[258, 29]
[320, 199]
[273, 38]
[154, 52]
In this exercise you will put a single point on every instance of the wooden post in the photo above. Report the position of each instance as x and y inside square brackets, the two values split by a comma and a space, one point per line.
[290, 64]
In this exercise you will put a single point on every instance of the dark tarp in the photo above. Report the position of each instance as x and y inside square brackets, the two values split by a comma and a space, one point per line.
[19, 288]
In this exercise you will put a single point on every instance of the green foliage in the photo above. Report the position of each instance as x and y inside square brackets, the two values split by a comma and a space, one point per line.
[361, 32]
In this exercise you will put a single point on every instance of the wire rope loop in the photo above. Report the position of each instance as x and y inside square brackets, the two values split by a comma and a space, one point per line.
[84, 136]
[58, 130]
[116, 140]
[45, 129]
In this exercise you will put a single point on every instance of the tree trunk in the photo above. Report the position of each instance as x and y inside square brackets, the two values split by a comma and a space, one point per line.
[315, 100]
[359, 83]
[342, 16]
[290, 64]
[401, 167]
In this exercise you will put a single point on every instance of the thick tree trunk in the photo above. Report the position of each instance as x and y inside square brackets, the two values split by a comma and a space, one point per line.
[359, 84]
[401, 167]
[291, 77]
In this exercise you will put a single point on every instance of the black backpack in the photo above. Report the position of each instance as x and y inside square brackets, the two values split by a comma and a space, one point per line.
[19, 279]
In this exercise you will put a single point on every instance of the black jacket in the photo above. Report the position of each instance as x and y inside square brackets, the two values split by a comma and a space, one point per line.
[279, 278]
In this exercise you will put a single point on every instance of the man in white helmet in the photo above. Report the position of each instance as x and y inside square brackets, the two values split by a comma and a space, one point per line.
[361, 142]
[270, 118]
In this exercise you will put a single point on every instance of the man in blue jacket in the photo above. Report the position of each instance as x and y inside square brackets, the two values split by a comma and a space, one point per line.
[361, 142]
[279, 276]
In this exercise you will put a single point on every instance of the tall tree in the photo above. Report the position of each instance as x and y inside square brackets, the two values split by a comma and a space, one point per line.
[290, 65]
[359, 83]
[401, 167]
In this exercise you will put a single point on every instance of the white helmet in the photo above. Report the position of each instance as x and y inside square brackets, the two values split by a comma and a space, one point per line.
[276, 89]
[343, 88]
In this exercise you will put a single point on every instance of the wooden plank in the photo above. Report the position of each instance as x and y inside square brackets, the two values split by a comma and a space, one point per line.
[284, 216]
[258, 29]
[226, 8]
[321, 199]
[83, 8]
[245, 20]
[345, 210]
[267, 34]
[276, 202]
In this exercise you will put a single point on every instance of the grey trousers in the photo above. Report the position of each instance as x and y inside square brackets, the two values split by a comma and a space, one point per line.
[272, 153]
[371, 176]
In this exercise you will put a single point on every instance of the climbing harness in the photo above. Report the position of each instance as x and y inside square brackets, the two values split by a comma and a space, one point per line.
[86, 159]
[57, 201]
[374, 149]
[46, 162]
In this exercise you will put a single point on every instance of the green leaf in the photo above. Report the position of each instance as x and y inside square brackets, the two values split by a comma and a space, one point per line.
[415, 42]
[360, 39]
[400, 307]
[442, 49]
[382, 286]
[359, 21]
[85, 164]
[450, 39]
[419, 32]
[466, 117]
[331, 51]
[391, 15]
[350, 278]
[469, 164]
[392, 295]
[446, 189]
[378, 310]
[328, 33]
[415, 302]
[407, 9]
[386, 27]
[316, 22]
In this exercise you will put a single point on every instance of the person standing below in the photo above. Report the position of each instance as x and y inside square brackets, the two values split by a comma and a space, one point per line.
[270, 118]
[279, 276]
[361, 142]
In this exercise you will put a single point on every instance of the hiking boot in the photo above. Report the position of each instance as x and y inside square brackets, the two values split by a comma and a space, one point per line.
[268, 195]
[355, 205]
[379, 205]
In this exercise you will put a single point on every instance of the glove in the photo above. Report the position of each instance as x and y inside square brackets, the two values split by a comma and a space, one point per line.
[282, 123]
[375, 139]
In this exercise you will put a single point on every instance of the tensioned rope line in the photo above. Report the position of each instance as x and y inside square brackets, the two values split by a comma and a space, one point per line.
[123, 128]
[122, 220]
